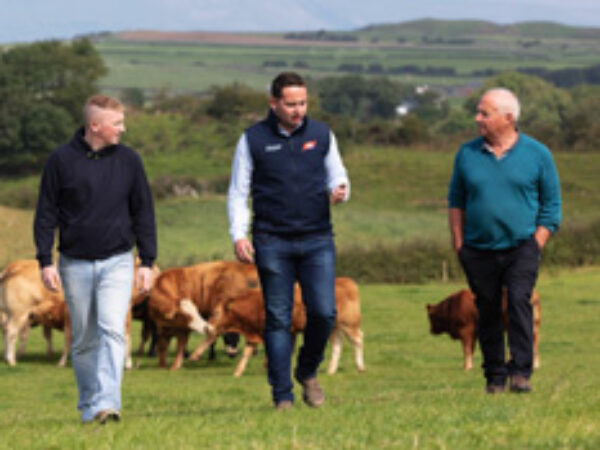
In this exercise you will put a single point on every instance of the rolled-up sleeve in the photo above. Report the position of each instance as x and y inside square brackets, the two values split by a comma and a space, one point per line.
[334, 167]
[239, 191]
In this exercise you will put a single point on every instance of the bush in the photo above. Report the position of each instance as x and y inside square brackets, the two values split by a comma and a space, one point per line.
[414, 262]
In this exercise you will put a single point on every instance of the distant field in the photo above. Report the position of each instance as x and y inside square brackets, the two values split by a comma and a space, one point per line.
[196, 61]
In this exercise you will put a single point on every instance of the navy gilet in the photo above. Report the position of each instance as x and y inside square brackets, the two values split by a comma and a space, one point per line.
[289, 180]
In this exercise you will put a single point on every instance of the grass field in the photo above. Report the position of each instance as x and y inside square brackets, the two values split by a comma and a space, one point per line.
[413, 395]
[398, 195]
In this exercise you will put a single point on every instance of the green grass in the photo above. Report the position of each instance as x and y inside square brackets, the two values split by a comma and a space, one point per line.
[398, 196]
[413, 395]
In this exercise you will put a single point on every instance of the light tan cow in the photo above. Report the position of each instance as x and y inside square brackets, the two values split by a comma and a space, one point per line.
[25, 300]
[182, 297]
[21, 289]
[245, 314]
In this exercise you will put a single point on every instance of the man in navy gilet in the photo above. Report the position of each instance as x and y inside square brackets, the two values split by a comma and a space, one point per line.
[504, 203]
[292, 167]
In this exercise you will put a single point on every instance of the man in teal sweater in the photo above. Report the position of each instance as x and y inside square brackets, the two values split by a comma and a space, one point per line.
[504, 203]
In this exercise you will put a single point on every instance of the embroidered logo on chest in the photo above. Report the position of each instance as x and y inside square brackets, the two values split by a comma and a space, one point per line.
[309, 145]
[272, 147]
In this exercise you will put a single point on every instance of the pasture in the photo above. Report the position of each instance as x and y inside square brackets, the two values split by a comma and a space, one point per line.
[194, 62]
[413, 395]
[398, 196]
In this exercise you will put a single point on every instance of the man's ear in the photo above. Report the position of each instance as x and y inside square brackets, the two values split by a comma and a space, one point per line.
[272, 102]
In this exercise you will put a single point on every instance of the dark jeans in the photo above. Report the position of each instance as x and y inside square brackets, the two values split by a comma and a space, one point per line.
[488, 272]
[281, 261]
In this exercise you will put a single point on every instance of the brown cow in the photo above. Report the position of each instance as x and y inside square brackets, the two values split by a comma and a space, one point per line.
[182, 296]
[457, 315]
[245, 314]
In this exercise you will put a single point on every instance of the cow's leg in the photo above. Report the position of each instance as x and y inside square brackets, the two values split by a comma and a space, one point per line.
[467, 345]
[68, 340]
[356, 336]
[246, 354]
[536, 343]
[12, 333]
[128, 359]
[23, 335]
[162, 345]
[204, 345]
[153, 338]
[231, 342]
[144, 335]
[48, 338]
[182, 340]
[336, 350]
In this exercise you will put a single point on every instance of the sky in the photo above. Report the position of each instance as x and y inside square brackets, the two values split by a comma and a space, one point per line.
[30, 20]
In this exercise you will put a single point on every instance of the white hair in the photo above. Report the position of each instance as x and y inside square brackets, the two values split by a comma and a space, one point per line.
[506, 101]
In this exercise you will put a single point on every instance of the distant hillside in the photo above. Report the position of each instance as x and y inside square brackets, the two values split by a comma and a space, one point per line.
[432, 31]
[457, 28]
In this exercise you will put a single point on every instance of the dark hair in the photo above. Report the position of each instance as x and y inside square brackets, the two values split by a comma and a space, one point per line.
[285, 79]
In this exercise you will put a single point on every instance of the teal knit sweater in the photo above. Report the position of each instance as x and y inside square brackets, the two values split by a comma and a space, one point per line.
[505, 199]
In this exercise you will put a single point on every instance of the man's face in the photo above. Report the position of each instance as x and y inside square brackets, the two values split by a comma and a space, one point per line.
[492, 123]
[108, 124]
[290, 108]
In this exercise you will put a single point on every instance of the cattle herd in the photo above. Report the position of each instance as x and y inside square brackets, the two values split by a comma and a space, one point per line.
[213, 299]
[218, 298]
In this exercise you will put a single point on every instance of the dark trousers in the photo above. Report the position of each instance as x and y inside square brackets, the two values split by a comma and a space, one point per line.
[488, 272]
[281, 261]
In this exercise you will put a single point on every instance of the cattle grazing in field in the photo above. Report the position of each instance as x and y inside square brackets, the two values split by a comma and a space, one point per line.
[457, 315]
[183, 296]
[25, 301]
[245, 314]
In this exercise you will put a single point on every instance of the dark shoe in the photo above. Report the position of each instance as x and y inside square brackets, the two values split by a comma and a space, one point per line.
[312, 392]
[284, 405]
[519, 384]
[107, 415]
[495, 388]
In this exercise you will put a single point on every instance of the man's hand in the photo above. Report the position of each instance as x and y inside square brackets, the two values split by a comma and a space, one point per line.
[51, 278]
[542, 234]
[244, 251]
[143, 279]
[338, 194]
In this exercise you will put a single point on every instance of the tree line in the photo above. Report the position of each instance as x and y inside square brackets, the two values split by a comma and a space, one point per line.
[44, 85]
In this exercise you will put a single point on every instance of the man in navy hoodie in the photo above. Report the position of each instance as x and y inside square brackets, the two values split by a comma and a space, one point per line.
[95, 191]
[292, 167]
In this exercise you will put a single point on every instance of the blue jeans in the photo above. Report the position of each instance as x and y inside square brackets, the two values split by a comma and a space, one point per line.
[281, 261]
[98, 294]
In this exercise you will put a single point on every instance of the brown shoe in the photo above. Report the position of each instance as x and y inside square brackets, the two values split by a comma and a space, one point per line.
[519, 384]
[107, 415]
[284, 405]
[312, 392]
[495, 388]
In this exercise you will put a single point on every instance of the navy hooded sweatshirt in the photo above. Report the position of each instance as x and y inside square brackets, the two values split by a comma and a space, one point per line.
[99, 200]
